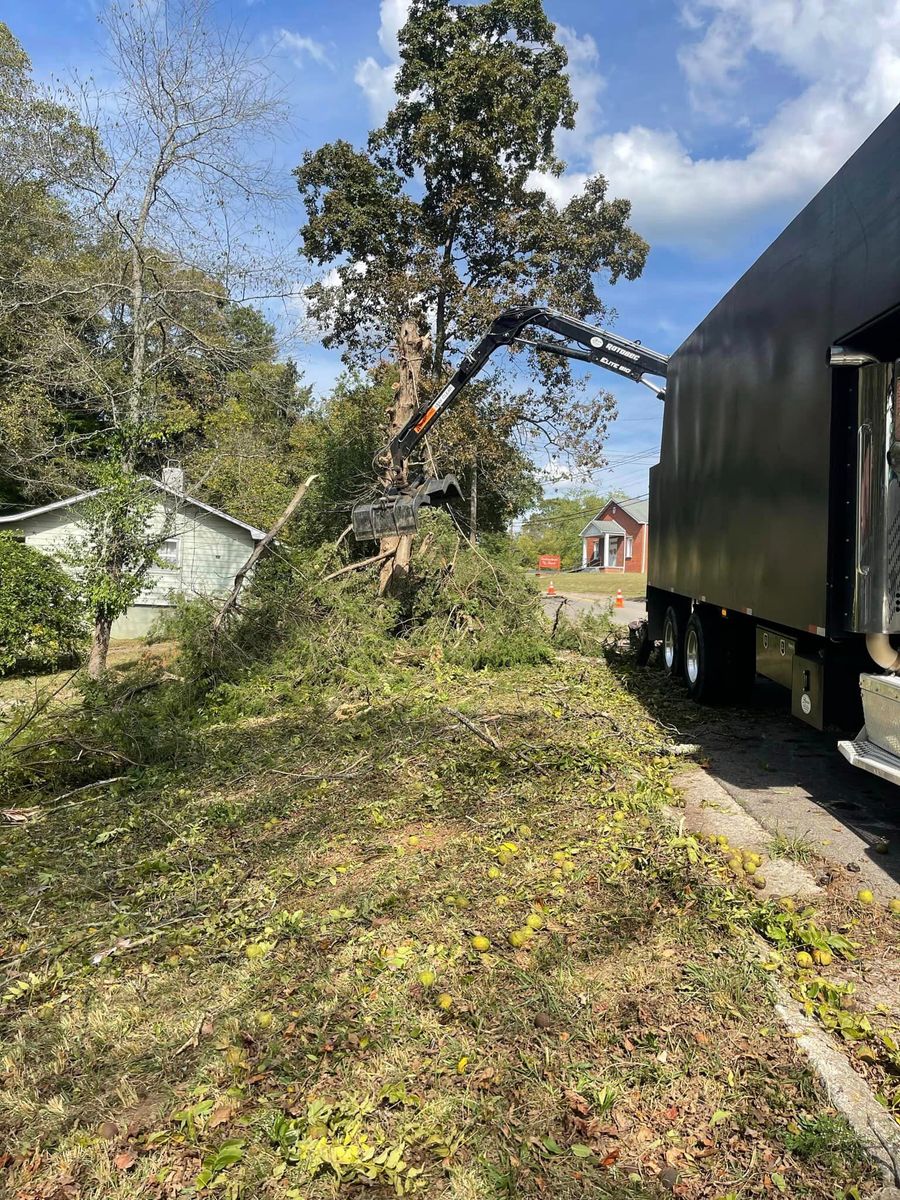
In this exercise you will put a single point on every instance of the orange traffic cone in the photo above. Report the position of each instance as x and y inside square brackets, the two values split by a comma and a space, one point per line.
[620, 603]
[551, 590]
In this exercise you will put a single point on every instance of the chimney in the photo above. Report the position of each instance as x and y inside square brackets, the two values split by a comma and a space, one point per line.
[173, 477]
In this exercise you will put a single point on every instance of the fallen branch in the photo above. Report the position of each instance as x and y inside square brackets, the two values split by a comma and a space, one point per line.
[258, 551]
[559, 609]
[350, 772]
[473, 728]
[21, 816]
[358, 566]
[347, 531]
[120, 945]
[88, 787]
[491, 741]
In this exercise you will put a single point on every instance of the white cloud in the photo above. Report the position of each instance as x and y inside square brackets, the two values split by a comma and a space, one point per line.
[377, 79]
[300, 48]
[585, 77]
[845, 59]
[815, 39]
[378, 84]
[393, 18]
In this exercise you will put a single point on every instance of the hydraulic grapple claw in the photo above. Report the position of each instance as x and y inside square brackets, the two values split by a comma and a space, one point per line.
[397, 512]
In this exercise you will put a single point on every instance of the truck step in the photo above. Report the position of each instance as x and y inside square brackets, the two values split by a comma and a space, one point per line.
[869, 757]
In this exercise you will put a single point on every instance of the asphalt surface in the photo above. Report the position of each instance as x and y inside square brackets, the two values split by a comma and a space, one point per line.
[632, 610]
[789, 776]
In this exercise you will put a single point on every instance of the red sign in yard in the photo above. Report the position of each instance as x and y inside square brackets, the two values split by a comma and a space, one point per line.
[549, 562]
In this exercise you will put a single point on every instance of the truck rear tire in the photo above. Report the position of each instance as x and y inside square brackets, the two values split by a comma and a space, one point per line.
[672, 644]
[704, 659]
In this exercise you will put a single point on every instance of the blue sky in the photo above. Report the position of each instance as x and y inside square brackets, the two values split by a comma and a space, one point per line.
[719, 119]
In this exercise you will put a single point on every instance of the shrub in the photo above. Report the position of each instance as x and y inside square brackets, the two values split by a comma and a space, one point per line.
[42, 621]
[477, 604]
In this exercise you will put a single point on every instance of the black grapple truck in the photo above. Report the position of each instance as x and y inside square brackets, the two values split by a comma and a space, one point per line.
[775, 506]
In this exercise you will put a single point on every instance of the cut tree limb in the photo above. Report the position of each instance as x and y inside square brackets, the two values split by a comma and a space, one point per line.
[489, 738]
[357, 566]
[258, 551]
[473, 728]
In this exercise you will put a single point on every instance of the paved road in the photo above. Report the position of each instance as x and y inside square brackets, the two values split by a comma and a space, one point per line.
[790, 777]
[633, 610]
[794, 781]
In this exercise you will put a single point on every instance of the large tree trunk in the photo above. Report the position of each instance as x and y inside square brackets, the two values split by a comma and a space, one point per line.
[411, 348]
[99, 647]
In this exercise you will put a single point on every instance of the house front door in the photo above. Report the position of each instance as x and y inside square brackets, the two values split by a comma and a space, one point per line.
[612, 551]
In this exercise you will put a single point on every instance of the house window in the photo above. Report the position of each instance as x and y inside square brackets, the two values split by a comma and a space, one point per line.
[629, 547]
[169, 553]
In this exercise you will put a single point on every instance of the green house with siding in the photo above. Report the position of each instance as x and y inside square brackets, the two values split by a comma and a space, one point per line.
[201, 548]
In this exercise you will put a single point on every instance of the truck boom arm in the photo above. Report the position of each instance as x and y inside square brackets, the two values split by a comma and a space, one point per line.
[395, 513]
[595, 345]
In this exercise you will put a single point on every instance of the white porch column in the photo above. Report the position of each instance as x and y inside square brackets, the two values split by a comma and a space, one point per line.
[606, 549]
[584, 556]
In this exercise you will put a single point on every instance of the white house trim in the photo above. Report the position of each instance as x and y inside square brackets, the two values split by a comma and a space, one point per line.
[180, 497]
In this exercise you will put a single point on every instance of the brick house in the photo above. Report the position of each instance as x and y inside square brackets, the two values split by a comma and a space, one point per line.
[616, 539]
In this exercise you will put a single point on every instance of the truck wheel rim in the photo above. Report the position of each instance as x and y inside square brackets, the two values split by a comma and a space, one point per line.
[692, 656]
[669, 645]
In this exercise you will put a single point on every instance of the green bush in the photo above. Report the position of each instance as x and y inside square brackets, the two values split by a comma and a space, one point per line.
[42, 621]
[302, 647]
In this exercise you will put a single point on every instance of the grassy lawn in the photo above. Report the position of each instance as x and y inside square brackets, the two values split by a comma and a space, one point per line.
[123, 653]
[373, 944]
[592, 583]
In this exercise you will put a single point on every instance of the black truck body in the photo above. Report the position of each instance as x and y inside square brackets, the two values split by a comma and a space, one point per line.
[748, 501]
[775, 505]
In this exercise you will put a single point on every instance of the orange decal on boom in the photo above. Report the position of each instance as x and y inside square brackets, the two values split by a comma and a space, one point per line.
[426, 420]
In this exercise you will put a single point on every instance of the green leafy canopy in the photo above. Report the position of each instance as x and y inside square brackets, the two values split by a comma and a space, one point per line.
[440, 218]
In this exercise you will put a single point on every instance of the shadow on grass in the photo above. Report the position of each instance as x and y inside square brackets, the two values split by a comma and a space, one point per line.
[762, 748]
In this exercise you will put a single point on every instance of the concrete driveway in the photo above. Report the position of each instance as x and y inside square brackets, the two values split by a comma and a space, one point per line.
[787, 776]
[792, 779]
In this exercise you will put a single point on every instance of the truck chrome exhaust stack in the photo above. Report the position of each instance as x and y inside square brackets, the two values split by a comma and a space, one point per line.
[844, 356]
[882, 652]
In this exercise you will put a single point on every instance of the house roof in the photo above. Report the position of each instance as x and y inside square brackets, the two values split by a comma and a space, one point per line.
[599, 528]
[256, 534]
[638, 510]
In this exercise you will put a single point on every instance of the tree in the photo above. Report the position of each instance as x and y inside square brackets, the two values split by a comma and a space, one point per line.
[241, 450]
[174, 174]
[115, 322]
[172, 151]
[110, 558]
[46, 315]
[438, 223]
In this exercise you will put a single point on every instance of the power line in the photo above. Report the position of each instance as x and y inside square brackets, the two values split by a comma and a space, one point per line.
[580, 513]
